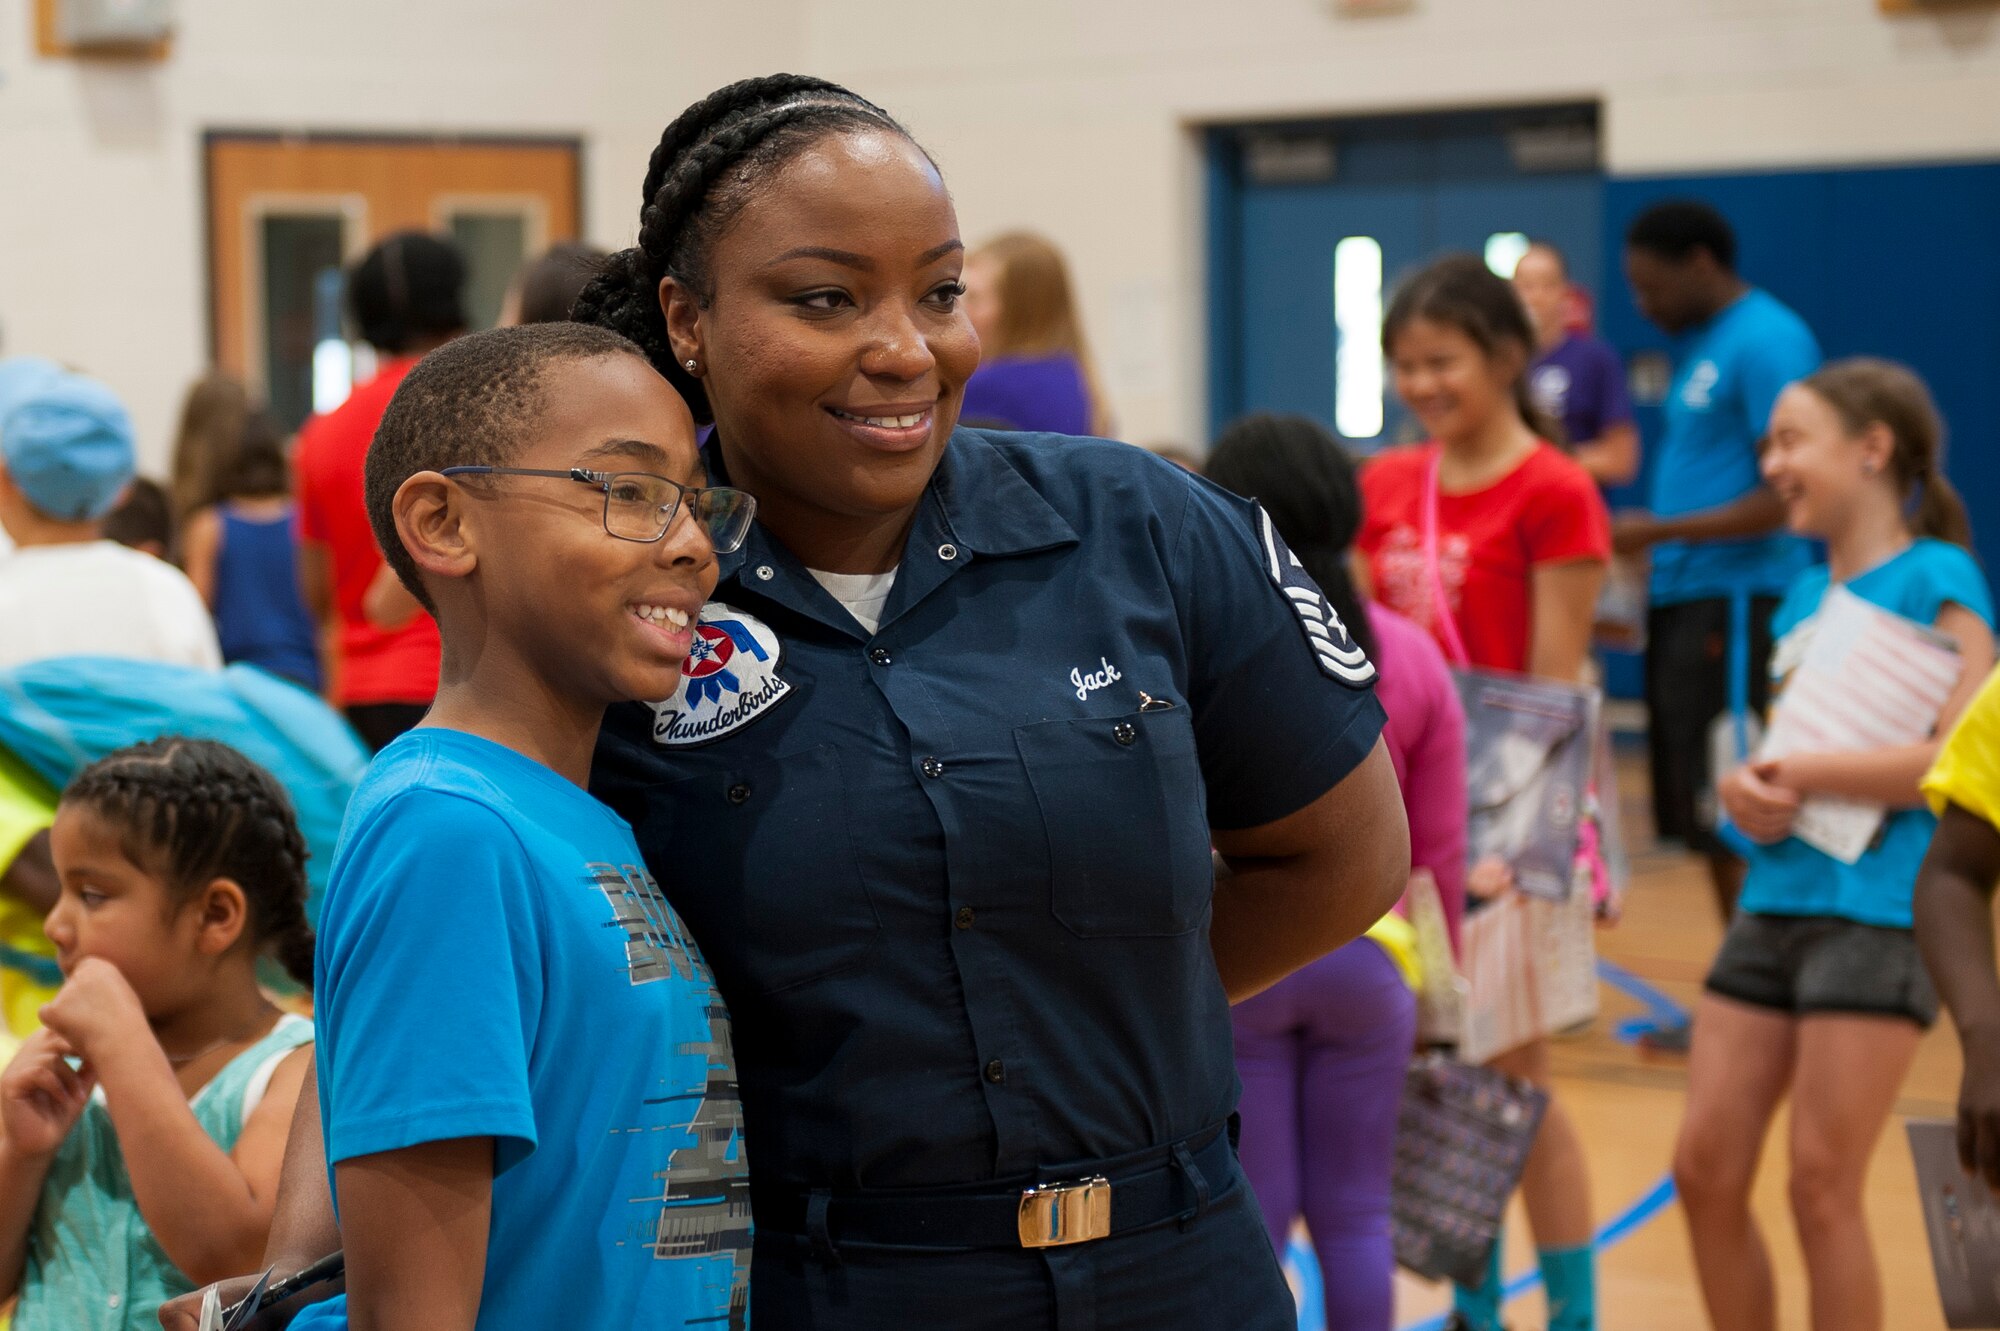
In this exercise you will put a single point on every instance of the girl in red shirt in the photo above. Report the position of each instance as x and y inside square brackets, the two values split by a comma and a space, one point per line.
[1495, 541]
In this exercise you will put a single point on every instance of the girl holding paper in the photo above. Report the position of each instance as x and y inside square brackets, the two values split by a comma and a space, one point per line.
[1494, 541]
[1818, 988]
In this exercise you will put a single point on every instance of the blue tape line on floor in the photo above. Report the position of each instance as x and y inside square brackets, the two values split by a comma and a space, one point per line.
[1621, 1226]
[1662, 1012]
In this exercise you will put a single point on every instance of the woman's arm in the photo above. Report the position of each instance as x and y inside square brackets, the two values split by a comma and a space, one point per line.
[1562, 602]
[1890, 776]
[1954, 921]
[201, 548]
[415, 1223]
[1300, 887]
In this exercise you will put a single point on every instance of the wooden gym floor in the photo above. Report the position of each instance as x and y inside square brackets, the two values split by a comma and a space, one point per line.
[1628, 1105]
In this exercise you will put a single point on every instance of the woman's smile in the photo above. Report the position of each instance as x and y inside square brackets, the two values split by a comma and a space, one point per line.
[896, 428]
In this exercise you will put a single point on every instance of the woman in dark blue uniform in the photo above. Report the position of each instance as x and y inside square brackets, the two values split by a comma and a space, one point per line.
[938, 790]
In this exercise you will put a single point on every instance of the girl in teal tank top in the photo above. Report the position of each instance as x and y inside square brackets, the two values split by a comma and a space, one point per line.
[142, 1129]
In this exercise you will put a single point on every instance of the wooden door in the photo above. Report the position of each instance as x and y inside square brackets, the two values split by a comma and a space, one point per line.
[286, 214]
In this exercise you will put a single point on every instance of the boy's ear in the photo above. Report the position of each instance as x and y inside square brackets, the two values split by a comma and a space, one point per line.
[430, 519]
[224, 916]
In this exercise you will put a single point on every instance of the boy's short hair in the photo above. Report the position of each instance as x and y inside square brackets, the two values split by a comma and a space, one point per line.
[67, 444]
[1676, 228]
[470, 403]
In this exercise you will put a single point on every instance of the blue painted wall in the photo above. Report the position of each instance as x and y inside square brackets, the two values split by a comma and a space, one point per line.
[1901, 262]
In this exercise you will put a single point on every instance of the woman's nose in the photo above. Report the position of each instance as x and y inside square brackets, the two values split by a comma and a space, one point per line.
[897, 347]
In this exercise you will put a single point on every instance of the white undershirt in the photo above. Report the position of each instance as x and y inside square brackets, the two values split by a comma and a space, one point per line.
[864, 594]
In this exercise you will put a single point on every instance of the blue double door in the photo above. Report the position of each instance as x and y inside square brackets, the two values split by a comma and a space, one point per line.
[1417, 187]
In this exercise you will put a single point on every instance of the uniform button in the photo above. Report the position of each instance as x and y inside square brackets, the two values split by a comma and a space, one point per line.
[880, 656]
[947, 552]
[739, 792]
[765, 573]
[1124, 732]
[933, 768]
[965, 917]
[996, 1072]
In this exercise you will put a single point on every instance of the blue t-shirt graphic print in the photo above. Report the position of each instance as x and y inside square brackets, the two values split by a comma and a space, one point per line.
[496, 961]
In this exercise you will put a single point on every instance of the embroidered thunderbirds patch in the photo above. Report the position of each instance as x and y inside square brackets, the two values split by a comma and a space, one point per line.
[729, 679]
[1338, 656]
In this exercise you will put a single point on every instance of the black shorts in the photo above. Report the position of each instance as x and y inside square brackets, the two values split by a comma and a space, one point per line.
[1687, 687]
[1806, 964]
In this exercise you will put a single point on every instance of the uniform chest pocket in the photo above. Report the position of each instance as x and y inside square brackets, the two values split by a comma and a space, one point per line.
[764, 869]
[1122, 804]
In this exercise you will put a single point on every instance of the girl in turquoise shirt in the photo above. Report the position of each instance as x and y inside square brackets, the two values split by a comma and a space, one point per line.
[142, 1128]
[1818, 988]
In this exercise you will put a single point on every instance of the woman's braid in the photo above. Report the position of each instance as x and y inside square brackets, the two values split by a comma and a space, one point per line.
[699, 176]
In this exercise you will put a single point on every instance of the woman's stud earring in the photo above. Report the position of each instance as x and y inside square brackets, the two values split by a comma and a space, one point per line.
[690, 365]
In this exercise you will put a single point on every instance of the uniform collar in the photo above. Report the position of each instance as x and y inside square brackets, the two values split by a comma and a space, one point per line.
[989, 506]
[976, 505]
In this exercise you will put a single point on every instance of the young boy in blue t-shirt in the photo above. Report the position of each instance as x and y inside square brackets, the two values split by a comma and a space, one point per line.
[525, 1072]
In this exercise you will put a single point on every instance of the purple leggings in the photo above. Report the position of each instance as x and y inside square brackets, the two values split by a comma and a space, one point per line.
[1322, 1057]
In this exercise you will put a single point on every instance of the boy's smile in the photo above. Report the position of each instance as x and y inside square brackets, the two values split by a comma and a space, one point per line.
[594, 616]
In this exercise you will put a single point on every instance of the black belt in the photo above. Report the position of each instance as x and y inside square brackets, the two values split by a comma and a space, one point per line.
[1134, 1192]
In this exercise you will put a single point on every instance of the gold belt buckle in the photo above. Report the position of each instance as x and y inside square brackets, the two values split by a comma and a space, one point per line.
[1056, 1214]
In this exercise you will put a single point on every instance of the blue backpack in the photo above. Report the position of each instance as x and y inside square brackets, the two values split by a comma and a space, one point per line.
[60, 715]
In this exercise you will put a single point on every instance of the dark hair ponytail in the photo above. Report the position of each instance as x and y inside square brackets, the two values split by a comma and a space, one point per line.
[192, 811]
[1296, 470]
[1862, 391]
[701, 174]
[1460, 291]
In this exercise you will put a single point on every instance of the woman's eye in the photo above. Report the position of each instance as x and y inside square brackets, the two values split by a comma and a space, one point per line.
[91, 900]
[948, 295]
[822, 300]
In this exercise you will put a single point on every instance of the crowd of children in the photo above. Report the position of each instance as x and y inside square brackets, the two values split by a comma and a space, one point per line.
[937, 952]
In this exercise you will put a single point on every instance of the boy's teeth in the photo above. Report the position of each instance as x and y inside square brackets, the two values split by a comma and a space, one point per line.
[890, 422]
[662, 614]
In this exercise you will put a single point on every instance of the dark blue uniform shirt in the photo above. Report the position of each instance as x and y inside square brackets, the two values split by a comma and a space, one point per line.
[954, 877]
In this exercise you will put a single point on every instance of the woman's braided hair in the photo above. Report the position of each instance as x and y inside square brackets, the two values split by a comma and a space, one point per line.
[702, 173]
[193, 810]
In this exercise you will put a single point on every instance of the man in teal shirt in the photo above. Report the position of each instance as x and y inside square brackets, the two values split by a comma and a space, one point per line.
[1721, 557]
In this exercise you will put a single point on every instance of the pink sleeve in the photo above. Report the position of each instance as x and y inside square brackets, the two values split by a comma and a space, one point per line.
[1436, 798]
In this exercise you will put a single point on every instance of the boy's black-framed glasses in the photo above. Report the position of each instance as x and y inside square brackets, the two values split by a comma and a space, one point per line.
[639, 506]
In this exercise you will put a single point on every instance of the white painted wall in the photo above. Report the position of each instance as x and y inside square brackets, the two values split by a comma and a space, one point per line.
[102, 258]
[1075, 116]
[1072, 116]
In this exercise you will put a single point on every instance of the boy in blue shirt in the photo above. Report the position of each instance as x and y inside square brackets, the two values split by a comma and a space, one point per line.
[526, 1079]
[1721, 558]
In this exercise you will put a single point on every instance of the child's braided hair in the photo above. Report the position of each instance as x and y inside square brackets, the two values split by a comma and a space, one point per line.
[703, 171]
[193, 810]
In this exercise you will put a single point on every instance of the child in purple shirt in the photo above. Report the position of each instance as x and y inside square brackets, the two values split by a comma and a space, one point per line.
[1322, 1053]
